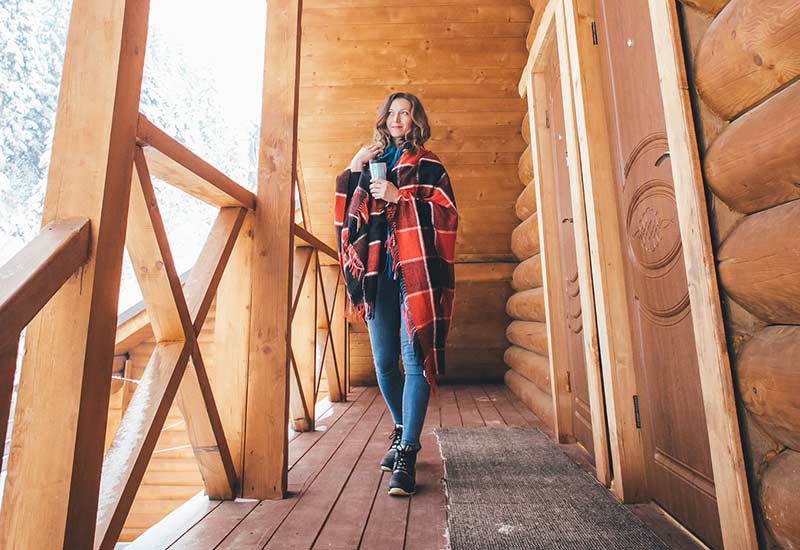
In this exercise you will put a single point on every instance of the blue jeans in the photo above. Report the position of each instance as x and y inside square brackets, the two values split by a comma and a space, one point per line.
[407, 400]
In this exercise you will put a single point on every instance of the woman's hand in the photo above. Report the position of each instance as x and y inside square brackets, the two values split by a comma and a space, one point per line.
[363, 155]
[384, 189]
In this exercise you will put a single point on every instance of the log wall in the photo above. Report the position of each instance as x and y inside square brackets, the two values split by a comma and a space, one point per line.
[744, 63]
[462, 58]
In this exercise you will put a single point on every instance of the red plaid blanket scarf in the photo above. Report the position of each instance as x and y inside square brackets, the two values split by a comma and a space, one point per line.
[421, 239]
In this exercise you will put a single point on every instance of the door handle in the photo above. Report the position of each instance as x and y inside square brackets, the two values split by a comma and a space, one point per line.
[660, 159]
[565, 220]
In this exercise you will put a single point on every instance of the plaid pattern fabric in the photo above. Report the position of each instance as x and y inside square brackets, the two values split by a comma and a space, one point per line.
[422, 240]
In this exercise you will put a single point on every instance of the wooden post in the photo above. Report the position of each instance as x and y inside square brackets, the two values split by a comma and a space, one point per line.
[304, 340]
[727, 460]
[51, 493]
[8, 367]
[266, 444]
[232, 337]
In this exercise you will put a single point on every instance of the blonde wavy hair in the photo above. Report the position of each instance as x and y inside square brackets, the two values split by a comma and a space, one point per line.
[419, 132]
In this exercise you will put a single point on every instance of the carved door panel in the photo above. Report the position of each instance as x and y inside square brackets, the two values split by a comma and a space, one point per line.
[581, 411]
[677, 457]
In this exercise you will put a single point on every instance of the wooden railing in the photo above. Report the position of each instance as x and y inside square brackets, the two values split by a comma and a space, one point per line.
[318, 330]
[176, 313]
[27, 282]
[61, 490]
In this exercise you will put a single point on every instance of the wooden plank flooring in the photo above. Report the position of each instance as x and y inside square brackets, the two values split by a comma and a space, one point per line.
[338, 494]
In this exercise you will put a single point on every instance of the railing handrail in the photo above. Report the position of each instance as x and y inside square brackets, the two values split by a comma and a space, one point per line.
[35, 273]
[314, 241]
[176, 164]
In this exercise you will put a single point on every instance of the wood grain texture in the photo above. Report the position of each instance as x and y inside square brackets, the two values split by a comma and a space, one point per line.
[527, 305]
[589, 383]
[525, 238]
[175, 164]
[710, 7]
[769, 381]
[526, 129]
[750, 50]
[461, 60]
[266, 446]
[719, 403]
[607, 259]
[531, 335]
[769, 174]
[527, 274]
[69, 346]
[302, 376]
[538, 401]
[759, 264]
[526, 203]
[231, 337]
[31, 277]
[525, 172]
[532, 366]
[779, 496]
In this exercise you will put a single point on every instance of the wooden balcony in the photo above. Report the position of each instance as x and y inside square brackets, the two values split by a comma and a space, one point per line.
[244, 346]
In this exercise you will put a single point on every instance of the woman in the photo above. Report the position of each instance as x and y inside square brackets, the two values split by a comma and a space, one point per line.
[396, 240]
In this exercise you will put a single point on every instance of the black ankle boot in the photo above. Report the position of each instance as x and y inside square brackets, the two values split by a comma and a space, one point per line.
[403, 481]
[387, 462]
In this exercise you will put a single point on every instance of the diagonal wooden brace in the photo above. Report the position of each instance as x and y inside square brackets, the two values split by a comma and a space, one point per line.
[176, 315]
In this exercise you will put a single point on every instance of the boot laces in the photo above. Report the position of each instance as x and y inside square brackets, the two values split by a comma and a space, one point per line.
[396, 436]
[402, 459]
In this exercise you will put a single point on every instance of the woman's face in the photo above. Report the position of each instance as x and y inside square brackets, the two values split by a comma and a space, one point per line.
[399, 120]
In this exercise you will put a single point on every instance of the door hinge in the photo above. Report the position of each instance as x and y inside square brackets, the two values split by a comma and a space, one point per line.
[569, 383]
[594, 33]
[547, 119]
[636, 411]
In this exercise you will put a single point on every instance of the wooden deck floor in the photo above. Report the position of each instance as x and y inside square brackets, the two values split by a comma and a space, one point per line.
[338, 495]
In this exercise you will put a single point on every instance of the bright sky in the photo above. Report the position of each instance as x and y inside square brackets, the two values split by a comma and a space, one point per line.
[229, 38]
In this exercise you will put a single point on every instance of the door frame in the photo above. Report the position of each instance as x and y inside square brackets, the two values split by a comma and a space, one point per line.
[551, 31]
[727, 461]
[614, 330]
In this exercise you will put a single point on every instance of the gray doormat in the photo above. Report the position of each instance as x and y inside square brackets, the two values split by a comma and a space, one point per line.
[514, 488]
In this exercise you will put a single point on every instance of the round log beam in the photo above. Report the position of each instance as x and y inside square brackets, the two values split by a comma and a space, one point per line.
[530, 335]
[526, 128]
[535, 399]
[525, 238]
[711, 7]
[527, 274]
[769, 381]
[525, 166]
[779, 496]
[769, 173]
[750, 50]
[532, 366]
[526, 202]
[527, 305]
[759, 264]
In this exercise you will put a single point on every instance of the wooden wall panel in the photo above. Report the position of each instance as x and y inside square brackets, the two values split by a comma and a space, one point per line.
[463, 60]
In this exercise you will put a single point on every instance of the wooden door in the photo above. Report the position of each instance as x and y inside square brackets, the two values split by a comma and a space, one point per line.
[677, 457]
[568, 261]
